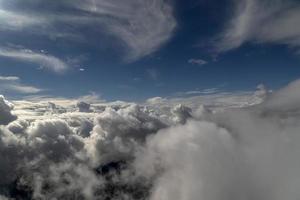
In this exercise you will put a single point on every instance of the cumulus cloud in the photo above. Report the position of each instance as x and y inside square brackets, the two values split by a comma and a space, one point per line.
[141, 27]
[5, 110]
[265, 21]
[156, 100]
[42, 60]
[230, 155]
[159, 150]
[12, 83]
[83, 106]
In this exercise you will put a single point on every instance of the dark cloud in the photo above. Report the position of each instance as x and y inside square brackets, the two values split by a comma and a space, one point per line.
[5, 112]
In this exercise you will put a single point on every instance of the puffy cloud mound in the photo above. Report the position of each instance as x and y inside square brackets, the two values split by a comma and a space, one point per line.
[83, 106]
[5, 111]
[153, 151]
[247, 153]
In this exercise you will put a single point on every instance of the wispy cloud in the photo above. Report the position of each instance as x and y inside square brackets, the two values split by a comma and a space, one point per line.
[205, 91]
[16, 21]
[140, 27]
[262, 21]
[13, 84]
[43, 60]
[153, 73]
[9, 78]
[197, 61]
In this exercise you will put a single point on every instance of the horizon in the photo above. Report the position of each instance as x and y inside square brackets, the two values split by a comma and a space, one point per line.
[161, 48]
[149, 99]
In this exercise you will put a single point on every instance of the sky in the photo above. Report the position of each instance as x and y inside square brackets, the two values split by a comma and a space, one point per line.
[137, 49]
[149, 99]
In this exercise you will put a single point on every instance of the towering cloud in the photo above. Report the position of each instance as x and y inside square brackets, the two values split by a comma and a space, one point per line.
[5, 111]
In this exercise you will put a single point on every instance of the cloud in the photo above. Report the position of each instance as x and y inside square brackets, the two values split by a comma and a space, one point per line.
[83, 106]
[16, 21]
[156, 100]
[241, 153]
[140, 27]
[213, 98]
[200, 92]
[285, 99]
[9, 78]
[92, 98]
[43, 60]
[12, 84]
[153, 73]
[153, 151]
[264, 21]
[5, 111]
[197, 61]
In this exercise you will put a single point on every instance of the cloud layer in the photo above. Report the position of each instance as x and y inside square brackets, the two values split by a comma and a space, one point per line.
[158, 150]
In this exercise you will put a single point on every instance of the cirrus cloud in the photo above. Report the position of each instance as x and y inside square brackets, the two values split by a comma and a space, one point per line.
[140, 27]
[264, 21]
[13, 84]
[46, 61]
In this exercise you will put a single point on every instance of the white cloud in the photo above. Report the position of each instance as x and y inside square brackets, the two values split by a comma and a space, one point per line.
[43, 60]
[141, 27]
[153, 74]
[23, 88]
[13, 84]
[235, 154]
[5, 111]
[197, 61]
[154, 151]
[9, 78]
[212, 98]
[156, 100]
[200, 92]
[14, 21]
[265, 21]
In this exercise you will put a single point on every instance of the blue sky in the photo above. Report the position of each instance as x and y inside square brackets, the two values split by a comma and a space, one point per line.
[137, 49]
